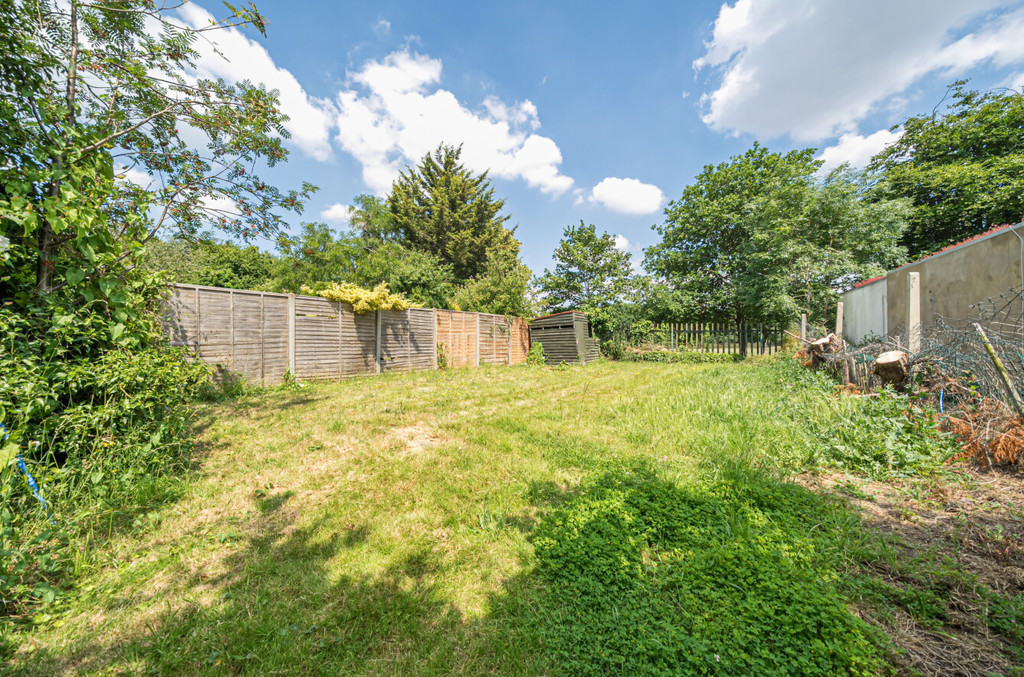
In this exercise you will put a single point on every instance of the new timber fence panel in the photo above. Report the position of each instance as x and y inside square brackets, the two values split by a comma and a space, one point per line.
[520, 338]
[494, 339]
[261, 335]
[456, 331]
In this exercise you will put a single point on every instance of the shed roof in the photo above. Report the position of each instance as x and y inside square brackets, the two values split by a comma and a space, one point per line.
[564, 312]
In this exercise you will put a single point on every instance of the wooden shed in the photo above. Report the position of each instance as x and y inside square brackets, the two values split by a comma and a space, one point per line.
[566, 337]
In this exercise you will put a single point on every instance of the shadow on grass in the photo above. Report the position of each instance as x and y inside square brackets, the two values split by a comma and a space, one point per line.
[738, 574]
[279, 607]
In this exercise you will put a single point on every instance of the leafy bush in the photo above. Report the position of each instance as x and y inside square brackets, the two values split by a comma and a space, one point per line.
[884, 435]
[613, 350]
[94, 413]
[728, 578]
[362, 300]
[536, 355]
[679, 357]
[881, 435]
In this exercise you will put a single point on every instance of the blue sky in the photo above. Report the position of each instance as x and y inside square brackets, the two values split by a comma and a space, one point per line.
[597, 111]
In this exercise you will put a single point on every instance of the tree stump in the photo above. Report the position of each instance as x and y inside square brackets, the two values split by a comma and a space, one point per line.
[820, 348]
[891, 367]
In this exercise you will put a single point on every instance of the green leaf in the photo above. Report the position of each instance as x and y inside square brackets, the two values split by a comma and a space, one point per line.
[74, 276]
[9, 454]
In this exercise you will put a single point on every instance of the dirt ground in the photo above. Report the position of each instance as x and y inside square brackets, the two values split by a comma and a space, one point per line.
[957, 534]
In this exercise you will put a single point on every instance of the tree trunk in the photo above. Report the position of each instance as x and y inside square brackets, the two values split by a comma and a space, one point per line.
[891, 367]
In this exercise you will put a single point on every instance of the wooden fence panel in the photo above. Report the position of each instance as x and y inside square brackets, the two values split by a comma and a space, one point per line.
[520, 340]
[260, 335]
[457, 331]
[407, 340]
[358, 342]
[317, 338]
[275, 338]
[494, 339]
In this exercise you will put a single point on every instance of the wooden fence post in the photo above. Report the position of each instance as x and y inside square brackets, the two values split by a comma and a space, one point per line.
[435, 339]
[377, 351]
[291, 334]
[478, 339]
[839, 320]
[263, 351]
[508, 328]
[199, 325]
[914, 313]
[341, 344]
[803, 329]
[231, 330]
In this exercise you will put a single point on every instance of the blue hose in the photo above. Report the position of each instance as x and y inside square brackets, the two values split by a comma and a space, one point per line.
[23, 467]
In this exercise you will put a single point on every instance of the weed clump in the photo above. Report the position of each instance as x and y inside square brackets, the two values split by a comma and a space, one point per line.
[727, 578]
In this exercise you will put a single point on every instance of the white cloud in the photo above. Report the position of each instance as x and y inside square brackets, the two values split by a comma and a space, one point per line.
[311, 118]
[621, 243]
[136, 176]
[813, 70]
[337, 213]
[856, 149]
[390, 114]
[628, 196]
[394, 113]
[382, 27]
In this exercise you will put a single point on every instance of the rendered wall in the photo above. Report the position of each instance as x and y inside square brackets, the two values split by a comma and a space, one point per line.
[865, 312]
[954, 280]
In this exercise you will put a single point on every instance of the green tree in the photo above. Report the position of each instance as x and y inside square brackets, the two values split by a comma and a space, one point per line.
[502, 289]
[590, 273]
[318, 256]
[211, 263]
[759, 238]
[104, 91]
[441, 208]
[962, 168]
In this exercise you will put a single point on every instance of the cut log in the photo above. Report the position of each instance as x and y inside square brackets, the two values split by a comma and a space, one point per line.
[891, 367]
[818, 349]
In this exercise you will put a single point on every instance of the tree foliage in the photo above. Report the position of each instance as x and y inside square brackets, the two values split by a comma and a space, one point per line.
[590, 273]
[211, 263]
[439, 207]
[104, 94]
[91, 95]
[760, 238]
[963, 168]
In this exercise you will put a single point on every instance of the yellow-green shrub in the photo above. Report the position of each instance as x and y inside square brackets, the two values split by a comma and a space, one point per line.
[362, 300]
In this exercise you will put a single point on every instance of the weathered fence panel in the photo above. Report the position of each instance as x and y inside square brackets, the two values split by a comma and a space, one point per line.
[407, 340]
[261, 336]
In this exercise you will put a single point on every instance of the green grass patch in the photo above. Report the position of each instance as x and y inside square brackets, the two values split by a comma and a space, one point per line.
[617, 518]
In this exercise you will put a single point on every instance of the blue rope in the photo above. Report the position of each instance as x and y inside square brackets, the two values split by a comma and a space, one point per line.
[942, 394]
[23, 467]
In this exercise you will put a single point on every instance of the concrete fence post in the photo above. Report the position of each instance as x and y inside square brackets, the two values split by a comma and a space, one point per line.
[839, 320]
[803, 327]
[914, 313]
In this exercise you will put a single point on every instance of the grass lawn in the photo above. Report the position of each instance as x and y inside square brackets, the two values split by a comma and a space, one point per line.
[617, 518]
